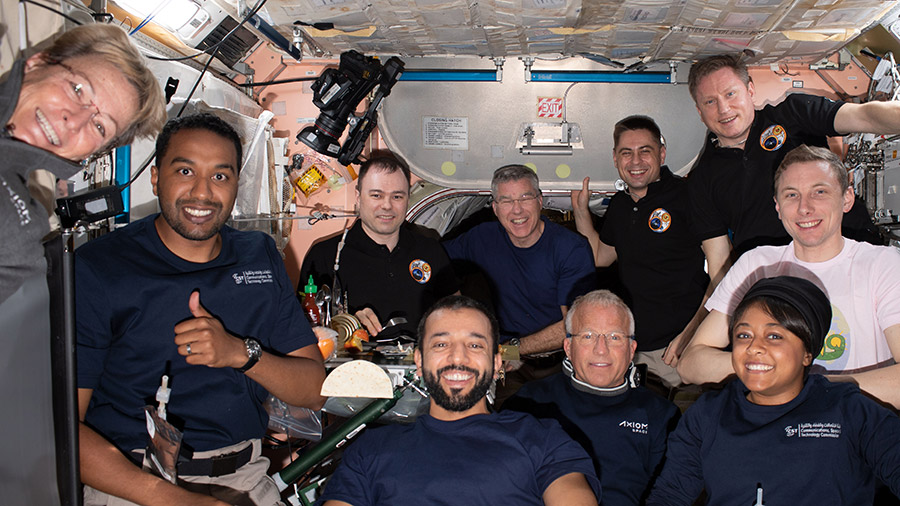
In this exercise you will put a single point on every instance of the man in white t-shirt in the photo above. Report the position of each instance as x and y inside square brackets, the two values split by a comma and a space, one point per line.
[861, 280]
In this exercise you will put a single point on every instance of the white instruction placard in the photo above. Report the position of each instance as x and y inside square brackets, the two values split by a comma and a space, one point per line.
[441, 132]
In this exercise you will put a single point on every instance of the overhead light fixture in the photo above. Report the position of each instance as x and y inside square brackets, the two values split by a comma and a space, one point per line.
[181, 17]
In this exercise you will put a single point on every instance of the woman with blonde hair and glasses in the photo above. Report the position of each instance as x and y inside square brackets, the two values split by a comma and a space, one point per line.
[88, 92]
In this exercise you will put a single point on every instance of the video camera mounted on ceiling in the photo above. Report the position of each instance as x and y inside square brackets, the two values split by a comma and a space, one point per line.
[337, 93]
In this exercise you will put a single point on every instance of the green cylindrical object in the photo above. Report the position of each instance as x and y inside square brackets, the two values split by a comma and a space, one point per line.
[347, 431]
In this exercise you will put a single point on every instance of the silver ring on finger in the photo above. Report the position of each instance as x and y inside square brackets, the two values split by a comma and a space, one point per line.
[188, 346]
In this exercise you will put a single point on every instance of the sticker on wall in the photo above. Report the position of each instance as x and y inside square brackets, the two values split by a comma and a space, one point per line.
[563, 171]
[448, 168]
[532, 167]
[549, 107]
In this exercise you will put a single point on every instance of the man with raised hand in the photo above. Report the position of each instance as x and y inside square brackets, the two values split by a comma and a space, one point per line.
[647, 229]
[183, 295]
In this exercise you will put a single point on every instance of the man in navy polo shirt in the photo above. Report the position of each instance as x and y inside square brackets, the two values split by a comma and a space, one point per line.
[535, 269]
[183, 295]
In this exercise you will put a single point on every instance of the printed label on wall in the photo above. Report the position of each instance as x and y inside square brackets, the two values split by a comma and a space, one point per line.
[439, 132]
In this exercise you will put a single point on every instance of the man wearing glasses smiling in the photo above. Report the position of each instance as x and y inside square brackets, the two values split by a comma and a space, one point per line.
[535, 268]
[597, 399]
[88, 92]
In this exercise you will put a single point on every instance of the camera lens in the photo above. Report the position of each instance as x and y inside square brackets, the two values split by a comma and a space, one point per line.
[319, 141]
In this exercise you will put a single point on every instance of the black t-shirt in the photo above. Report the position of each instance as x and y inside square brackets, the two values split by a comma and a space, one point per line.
[731, 189]
[403, 282]
[659, 257]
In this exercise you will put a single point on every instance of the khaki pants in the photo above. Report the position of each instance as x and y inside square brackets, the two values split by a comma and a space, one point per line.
[248, 486]
[656, 366]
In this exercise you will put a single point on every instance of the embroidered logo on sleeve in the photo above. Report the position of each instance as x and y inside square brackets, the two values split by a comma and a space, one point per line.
[420, 271]
[253, 277]
[814, 429]
[772, 138]
[20, 206]
[660, 220]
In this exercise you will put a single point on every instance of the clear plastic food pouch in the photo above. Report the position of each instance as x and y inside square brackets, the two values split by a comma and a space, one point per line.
[294, 421]
[165, 443]
[311, 172]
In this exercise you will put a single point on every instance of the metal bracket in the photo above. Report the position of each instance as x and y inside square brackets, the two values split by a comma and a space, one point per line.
[297, 42]
[528, 61]
[498, 62]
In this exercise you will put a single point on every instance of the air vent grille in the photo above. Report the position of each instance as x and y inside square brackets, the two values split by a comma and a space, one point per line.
[235, 47]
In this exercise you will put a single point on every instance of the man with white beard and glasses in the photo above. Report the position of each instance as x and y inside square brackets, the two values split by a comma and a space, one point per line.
[502, 458]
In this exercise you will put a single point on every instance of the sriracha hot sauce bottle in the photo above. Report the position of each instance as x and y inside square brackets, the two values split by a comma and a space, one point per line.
[309, 304]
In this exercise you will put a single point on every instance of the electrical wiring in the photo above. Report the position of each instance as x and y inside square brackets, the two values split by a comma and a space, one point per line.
[215, 47]
[785, 71]
[212, 55]
[280, 81]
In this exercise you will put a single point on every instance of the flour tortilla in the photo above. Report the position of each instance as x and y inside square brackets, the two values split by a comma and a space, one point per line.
[358, 378]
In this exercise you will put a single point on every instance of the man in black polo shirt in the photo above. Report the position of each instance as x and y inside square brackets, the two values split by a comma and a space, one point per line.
[731, 184]
[386, 266]
[648, 230]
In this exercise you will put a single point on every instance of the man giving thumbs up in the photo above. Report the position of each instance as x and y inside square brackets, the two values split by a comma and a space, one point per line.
[140, 315]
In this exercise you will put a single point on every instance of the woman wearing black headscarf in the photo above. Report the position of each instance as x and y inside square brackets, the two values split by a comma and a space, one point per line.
[778, 435]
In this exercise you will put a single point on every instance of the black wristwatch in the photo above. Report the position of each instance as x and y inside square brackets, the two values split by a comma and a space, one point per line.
[254, 351]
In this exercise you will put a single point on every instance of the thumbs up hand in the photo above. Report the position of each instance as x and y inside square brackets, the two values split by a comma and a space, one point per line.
[202, 340]
[581, 198]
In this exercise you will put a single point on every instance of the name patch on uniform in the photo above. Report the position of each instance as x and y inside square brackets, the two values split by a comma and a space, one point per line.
[253, 277]
[660, 220]
[420, 271]
[814, 429]
[20, 206]
[772, 138]
[637, 427]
